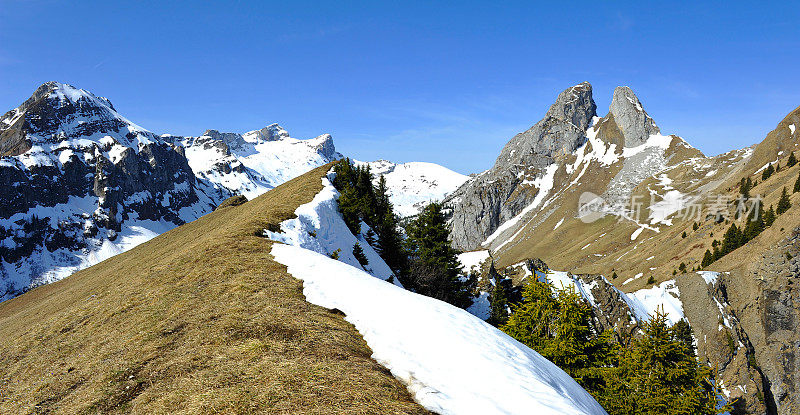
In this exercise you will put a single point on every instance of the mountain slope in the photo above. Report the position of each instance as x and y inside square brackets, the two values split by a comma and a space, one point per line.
[413, 185]
[202, 319]
[625, 200]
[82, 183]
[197, 320]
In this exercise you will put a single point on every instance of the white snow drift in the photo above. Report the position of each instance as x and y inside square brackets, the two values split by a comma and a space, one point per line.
[451, 361]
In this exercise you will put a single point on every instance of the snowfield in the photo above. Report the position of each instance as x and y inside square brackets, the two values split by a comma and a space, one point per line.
[451, 361]
[414, 185]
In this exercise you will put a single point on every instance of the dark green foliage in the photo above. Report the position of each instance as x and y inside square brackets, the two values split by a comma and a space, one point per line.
[557, 324]
[744, 188]
[682, 267]
[734, 237]
[683, 235]
[435, 269]
[769, 216]
[695, 226]
[500, 297]
[614, 275]
[796, 185]
[784, 203]
[769, 171]
[683, 332]
[361, 201]
[358, 252]
[708, 258]
[335, 254]
[657, 373]
[651, 280]
[792, 160]
[755, 222]
[731, 240]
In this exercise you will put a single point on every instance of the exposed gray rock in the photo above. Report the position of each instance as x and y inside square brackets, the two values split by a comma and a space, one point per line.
[272, 132]
[91, 173]
[497, 195]
[630, 116]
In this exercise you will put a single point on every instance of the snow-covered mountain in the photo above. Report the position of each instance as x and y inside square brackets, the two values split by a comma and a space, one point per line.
[256, 161]
[82, 183]
[413, 185]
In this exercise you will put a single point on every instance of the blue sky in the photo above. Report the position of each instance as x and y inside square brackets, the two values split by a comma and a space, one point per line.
[444, 82]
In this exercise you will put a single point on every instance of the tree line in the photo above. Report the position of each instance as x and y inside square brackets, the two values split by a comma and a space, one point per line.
[656, 372]
[419, 253]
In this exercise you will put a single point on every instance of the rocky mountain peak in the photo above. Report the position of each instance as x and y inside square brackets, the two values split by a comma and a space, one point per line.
[58, 112]
[631, 118]
[272, 132]
[574, 105]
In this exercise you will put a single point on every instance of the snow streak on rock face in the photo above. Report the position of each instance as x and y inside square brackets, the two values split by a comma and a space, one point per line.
[414, 185]
[82, 183]
[451, 361]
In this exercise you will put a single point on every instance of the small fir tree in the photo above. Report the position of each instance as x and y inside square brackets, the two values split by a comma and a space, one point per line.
[435, 268]
[792, 160]
[769, 216]
[708, 259]
[784, 203]
[358, 252]
[797, 184]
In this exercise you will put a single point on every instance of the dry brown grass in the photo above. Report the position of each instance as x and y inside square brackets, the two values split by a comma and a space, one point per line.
[198, 320]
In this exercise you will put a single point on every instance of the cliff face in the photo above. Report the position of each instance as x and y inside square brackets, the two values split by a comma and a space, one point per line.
[499, 194]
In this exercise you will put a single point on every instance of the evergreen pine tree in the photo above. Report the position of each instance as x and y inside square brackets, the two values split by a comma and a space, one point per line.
[783, 204]
[731, 240]
[358, 253]
[708, 259]
[435, 269]
[769, 216]
[792, 160]
[558, 325]
[797, 184]
[498, 298]
[755, 222]
[659, 374]
[767, 172]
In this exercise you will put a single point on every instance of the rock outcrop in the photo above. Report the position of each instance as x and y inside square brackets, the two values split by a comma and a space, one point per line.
[499, 194]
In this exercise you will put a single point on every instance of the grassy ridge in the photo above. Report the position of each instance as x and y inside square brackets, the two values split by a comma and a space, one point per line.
[198, 320]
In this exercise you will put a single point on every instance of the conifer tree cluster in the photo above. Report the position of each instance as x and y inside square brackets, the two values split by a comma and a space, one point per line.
[768, 172]
[757, 220]
[502, 296]
[361, 201]
[655, 373]
[425, 261]
[435, 269]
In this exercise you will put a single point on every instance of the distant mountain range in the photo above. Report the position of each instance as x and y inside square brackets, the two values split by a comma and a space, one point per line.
[82, 183]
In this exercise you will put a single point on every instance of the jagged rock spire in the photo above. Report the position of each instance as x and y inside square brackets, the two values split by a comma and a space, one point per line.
[631, 118]
[575, 105]
[562, 130]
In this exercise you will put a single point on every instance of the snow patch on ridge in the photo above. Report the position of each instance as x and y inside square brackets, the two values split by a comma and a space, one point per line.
[320, 227]
[413, 185]
[425, 344]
